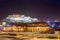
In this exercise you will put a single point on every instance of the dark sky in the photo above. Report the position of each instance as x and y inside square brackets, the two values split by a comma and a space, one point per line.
[43, 9]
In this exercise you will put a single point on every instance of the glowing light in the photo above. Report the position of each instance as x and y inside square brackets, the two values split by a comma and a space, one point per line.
[1, 26]
[3, 23]
[8, 25]
[53, 25]
[56, 20]
[59, 26]
[48, 21]
[21, 18]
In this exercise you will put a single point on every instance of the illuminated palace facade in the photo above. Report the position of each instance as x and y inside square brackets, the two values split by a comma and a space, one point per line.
[18, 23]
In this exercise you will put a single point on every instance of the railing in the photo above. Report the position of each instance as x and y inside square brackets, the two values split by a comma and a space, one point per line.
[29, 34]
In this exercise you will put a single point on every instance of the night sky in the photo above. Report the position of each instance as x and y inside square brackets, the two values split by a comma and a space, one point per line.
[42, 9]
